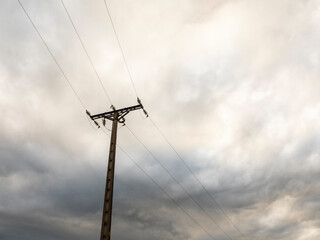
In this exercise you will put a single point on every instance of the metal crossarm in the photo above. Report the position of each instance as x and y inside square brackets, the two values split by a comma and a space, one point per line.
[120, 113]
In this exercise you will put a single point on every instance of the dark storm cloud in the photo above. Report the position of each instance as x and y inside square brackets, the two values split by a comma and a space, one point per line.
[40, 201]
[48, 200]
[62, 197]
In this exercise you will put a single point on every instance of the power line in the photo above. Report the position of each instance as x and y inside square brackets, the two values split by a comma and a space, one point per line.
[161, 188]
[66, 78]
[119, 44]
[86, 52]
[178, 183]
[197, 179]
[130, 76]
[165, 192]
[55, 60]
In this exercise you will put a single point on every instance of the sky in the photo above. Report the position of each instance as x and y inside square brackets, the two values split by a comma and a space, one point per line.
[233, 86]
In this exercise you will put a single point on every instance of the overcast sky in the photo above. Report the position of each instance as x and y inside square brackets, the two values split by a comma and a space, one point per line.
[233, 85]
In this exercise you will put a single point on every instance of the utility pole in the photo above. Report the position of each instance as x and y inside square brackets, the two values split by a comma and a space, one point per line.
[115, 116]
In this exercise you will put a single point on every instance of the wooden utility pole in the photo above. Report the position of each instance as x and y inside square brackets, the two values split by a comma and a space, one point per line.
[115, 116]
[107, 206]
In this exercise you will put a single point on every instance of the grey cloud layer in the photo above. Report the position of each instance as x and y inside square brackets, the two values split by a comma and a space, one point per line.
[233, 84]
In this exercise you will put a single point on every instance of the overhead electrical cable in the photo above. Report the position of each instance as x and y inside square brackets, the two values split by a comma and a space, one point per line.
[130, 76]
[81, 102]
[178, 183]
[131, 79]
[197, 179]
[166, 193]
[120, 47]
[161, 133]
[55, 60]
[86, 52]
[119, 44]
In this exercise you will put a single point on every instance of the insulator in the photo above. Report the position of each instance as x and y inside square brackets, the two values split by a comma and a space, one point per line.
[138, 100]
[113, 108]
[88, 113]
[145, 112]
[97, 124]
[104, 121]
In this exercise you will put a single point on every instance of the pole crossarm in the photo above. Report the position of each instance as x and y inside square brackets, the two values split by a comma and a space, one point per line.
[120, 113]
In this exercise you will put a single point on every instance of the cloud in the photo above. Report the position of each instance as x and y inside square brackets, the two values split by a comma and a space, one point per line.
[232, 84]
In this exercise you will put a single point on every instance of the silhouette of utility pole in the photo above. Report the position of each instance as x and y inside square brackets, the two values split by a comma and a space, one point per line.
[115, 116]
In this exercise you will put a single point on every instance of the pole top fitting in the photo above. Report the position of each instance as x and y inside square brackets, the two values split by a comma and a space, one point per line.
[96, 123]
[144, 111]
